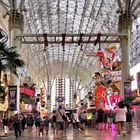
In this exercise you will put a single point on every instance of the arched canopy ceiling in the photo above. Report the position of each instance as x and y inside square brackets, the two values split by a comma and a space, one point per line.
[68, 16]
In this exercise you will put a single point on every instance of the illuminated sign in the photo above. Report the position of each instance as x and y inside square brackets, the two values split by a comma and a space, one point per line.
[127, 89]
[114, 75]
[27, 91]
[138, 80]
[28, 107]
[12, 97]
[111, 99]
[106, 98]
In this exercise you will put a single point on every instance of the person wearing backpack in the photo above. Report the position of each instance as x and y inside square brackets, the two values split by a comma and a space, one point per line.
[129, 116]
[60, 121]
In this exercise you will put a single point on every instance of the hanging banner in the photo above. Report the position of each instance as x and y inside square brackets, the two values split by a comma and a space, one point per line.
[127, 89]
[12, 97]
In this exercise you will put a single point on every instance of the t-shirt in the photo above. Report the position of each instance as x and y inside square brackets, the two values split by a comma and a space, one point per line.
[46, 122]
[120, 114]
[94, 117]
[75, 118]
[37, 119]
[89, 116]
[83, 116]
[129, 115]
[100, 114]
[59, 115]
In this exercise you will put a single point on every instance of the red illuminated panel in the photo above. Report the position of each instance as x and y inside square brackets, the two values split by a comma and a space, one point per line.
[27, 91]
[105, 100]
[110, 101]
[99, 91]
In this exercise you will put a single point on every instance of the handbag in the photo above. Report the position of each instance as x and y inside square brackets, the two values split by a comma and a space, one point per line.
[63, 116]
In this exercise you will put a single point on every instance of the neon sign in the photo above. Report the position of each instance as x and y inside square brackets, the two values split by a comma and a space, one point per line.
[106, 98]
[114, 75]
[28, 107]
[111, 99]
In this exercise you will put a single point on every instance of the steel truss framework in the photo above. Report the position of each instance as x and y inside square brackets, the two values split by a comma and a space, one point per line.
[70, 38]
[135, 47]
[64, 39]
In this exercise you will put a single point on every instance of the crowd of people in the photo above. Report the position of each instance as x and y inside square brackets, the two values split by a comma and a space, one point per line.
[59, 121]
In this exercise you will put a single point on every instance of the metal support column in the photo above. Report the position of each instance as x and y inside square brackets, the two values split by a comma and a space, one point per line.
[125, 26]
[16, 27]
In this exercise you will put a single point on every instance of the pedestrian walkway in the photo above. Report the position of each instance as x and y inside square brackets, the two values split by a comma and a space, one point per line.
[88, 134]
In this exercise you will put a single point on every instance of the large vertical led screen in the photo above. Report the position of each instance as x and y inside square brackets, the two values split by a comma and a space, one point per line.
[127, 89]
[138, 80]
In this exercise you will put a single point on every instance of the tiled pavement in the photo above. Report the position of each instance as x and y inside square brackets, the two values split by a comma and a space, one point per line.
[88, 134]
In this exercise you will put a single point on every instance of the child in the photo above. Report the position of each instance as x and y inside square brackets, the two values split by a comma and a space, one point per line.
[46, 124]
[94, 115]
[129, 116]
[41, 128]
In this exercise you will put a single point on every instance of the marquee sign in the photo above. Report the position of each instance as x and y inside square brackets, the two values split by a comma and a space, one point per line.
[115, 76]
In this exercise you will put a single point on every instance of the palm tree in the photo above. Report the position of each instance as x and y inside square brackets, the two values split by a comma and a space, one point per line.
[9, 60]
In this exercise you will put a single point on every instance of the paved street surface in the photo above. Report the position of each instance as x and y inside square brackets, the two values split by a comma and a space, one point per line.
[88, 134]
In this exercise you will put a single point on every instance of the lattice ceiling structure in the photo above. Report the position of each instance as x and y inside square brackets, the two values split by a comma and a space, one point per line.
[68, 16]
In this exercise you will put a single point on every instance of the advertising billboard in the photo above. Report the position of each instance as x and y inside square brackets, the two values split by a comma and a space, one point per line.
[127, 89]
[12, 97]
[138, 80]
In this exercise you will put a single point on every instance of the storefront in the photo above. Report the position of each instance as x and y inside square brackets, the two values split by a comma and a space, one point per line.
[27, 100]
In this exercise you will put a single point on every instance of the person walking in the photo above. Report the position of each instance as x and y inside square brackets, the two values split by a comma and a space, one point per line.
[76, 121]
[60, 120]
[54, 123]
[23, 122]
[94, 119]
[37, 121]
[129, 116]
[105, 119]
[100, 115]
[17, 126]
[83, 117]
[41, 128]
[30, 122]
[110, 118]
[46, 123]
[120, 112]
[5, 125]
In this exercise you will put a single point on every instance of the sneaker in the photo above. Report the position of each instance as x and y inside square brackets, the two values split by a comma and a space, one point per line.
[123, 133]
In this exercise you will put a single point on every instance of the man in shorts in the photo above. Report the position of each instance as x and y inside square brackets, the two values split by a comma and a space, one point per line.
[60, 122]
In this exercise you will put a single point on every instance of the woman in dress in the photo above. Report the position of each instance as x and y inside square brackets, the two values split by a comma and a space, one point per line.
[120, 112]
